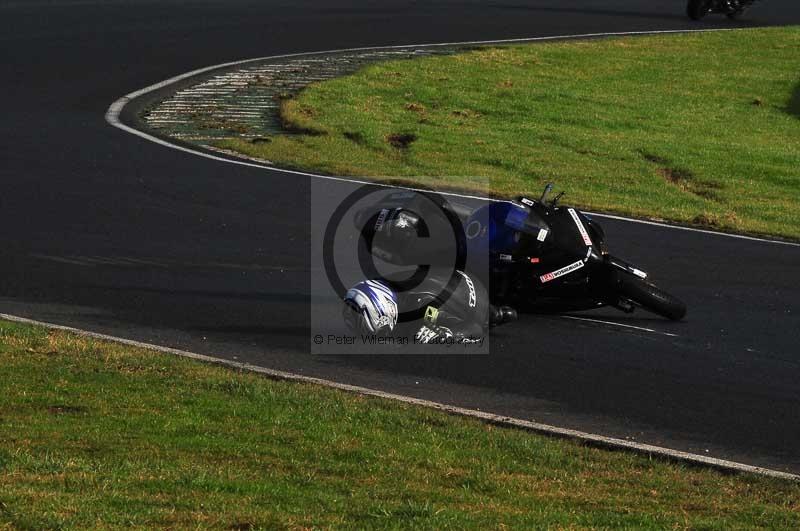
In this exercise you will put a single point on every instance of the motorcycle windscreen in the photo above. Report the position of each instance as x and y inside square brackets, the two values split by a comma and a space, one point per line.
[568, 238]
[513, 230]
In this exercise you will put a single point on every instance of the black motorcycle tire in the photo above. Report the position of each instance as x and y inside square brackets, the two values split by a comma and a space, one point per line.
[650, 297]
[698, 9]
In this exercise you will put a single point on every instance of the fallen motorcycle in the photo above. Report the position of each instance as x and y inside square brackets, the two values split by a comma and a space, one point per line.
[733, 9]
[533, 255]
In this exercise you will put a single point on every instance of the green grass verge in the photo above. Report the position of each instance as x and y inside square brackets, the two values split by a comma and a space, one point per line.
[697, 128]
[94, 434]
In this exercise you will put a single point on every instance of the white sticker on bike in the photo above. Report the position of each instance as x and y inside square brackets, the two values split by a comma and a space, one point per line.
[586, 239]
[561, 272]
[542, 235]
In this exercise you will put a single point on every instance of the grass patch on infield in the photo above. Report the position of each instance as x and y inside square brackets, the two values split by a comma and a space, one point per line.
[702, 129]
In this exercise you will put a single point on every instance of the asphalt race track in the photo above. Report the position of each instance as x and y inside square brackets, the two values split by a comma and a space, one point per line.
[105, 231]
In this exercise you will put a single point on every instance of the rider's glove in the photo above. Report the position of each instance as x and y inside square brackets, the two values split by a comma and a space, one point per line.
[432, 334]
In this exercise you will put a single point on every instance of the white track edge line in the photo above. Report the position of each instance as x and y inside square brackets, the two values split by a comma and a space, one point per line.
[500, 420]
[621, 325]
[115, 109]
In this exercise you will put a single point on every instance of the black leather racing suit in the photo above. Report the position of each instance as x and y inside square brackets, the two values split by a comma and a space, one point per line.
[447, 305]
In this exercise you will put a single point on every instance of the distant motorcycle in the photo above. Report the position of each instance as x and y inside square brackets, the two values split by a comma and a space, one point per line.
[733, 9]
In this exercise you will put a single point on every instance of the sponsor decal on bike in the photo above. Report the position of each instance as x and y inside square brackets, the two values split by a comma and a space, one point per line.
[584, 234]
[542, 235]
[506, 258]
[527, 202]
[561, 272]
[639, 273]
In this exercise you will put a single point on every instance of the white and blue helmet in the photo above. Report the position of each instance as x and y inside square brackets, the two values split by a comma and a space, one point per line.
[371, 307]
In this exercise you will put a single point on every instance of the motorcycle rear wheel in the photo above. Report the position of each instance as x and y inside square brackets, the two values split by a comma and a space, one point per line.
[650, 297]
[698, 9]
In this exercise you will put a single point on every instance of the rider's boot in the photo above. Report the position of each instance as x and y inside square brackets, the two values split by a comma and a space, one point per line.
[499, 315]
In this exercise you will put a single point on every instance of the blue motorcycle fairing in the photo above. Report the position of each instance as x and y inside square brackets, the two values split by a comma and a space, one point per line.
[496, 228]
